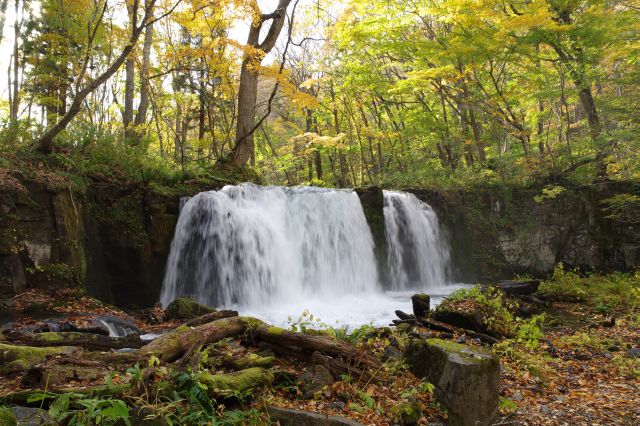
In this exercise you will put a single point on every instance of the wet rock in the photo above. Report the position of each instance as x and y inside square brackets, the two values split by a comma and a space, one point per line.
[407, 413]
[184, 308]
[115, 326]
[291, 417]
[26, 416]
[633, 353]
[466, 378]
[315, 379]
[421, 303]
[391, 353]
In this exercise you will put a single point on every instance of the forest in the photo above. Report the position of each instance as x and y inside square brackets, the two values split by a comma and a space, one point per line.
[361, 93]
[316, 212]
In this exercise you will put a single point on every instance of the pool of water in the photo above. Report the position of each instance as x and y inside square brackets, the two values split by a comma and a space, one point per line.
[351, 310]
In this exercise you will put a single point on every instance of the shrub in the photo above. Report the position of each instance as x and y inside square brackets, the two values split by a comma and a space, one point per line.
[602, 292]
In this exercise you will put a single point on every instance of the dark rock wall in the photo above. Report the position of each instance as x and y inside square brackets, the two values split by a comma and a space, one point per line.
[497, 233]
[115, 241]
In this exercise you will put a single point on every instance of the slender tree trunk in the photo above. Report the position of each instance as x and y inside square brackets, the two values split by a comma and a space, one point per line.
[129, 85]
[45, 143]
[248, 89]
[3, 16]
[15, 101]
[141, 115]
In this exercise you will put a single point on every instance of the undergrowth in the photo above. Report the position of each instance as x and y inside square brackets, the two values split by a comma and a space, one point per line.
[603, 293]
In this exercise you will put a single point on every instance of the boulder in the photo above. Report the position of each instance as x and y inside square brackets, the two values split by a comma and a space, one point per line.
[26, 416]
[421, 304]
[291, 417]
[466, 378]
[315, 379]
[185, 308]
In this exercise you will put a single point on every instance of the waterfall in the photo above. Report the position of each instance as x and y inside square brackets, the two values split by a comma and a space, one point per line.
[273, 252]
[250, 245]
[417, 254]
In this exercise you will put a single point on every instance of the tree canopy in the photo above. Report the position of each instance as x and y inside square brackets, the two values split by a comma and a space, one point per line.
[392, 93]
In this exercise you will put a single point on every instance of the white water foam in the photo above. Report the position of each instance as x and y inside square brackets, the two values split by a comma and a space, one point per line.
[273, 252]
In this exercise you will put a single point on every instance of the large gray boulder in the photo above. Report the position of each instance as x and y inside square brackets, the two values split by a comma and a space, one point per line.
[291, 417]
[466, 378]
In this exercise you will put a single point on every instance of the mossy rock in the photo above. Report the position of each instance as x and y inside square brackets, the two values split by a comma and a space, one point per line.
[185, 308]
[466, 378]
[7, 418]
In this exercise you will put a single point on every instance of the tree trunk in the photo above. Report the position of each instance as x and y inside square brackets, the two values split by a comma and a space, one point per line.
[15, 101]
[129, 85]
[3, 16]
[45, 143]
[141, 116]
[248, 89]
[89, 341]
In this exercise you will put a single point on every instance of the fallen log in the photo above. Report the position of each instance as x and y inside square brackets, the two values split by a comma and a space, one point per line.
[441, 326]
[172, 345]
[35, 397]
[14, 358]
[335, 366]
[239, 381]
[87, 341]
[312, 343]
[83, 367]
[404, 316]
[517, 288]
[214, 316]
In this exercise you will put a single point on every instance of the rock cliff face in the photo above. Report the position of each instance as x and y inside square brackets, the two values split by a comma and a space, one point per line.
[115, 241]
[495, 234]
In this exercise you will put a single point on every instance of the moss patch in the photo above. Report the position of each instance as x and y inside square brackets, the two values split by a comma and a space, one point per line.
[7, 418]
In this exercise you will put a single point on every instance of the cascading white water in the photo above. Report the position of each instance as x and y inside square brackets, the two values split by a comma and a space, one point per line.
[417, 254]
[252, 246]
[274, 252]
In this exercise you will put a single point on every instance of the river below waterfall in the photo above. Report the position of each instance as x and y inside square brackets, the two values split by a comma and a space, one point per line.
[376, 309]
[274, 252]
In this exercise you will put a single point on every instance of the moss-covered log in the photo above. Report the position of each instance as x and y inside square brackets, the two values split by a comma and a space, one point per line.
[23, 397]
[245, 361]
[15, 358]
[90, 341]
[214, 316]
[82, 367]
[239, 381]
[174, 344]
